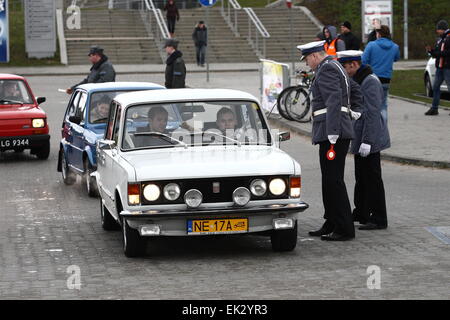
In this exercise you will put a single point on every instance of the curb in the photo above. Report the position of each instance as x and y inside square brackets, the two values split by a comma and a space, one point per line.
[384, 156]
[417, 102]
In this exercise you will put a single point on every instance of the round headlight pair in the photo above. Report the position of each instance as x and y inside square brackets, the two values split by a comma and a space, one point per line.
[277, 187]
[152, 192]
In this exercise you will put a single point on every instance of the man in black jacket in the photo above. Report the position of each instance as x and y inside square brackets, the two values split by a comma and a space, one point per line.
[101, 71]
[200, 37]
[175, 67]
[441, 53]
[351, 41]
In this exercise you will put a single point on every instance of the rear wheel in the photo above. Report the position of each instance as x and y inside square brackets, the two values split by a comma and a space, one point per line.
[68, 176]
[44, 151]
[284, 240]
[133, 243]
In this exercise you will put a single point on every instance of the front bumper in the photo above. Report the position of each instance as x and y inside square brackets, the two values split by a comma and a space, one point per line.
[174, 223]
[24, 142]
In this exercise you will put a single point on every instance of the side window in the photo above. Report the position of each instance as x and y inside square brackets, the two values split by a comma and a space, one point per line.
[71, 109]
[112, 115]
[117, 125]
[81, 106]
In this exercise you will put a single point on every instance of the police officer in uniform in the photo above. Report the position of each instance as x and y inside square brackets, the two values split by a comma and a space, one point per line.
[101, 71]
[371, 136]
[332, 130]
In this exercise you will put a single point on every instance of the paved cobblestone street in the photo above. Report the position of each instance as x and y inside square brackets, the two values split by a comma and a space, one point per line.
[46, 226]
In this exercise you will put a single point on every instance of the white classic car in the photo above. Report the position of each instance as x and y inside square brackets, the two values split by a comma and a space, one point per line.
[428, 78]
[216, 170]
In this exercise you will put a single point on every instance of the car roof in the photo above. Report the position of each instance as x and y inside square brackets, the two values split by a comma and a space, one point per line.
[107, 86]
[8, 76]
[130, 98]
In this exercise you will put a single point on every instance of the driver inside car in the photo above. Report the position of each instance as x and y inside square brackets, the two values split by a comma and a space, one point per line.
[100, 113]
[157, 123]
[10, 91]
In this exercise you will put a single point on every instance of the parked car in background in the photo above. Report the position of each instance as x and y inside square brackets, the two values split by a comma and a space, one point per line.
[23, 123]
[428, 78]
[84, 122]
[219, 171]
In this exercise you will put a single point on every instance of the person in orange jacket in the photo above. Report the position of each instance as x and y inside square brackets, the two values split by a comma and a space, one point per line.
[332, 43]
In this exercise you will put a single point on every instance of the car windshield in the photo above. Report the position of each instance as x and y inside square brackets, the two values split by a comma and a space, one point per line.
[100, 103]
[199, 123]
[14, 92]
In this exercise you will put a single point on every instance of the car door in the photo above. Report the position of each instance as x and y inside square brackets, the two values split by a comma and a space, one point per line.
[106, 158]
[67, 127]
[78, 142]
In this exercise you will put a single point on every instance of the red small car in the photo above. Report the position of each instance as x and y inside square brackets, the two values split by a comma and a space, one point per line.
[23, 124]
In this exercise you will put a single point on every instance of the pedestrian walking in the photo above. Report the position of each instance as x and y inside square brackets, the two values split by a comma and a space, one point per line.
[371, 137]
[441, 52]
[101, 71]
[332, 43]
[381, 55]
[200, 37]
[175, 67]
[332, 130]
[172, 16]
[351, 41]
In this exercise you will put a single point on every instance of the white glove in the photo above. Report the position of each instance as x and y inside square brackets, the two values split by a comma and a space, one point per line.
[355, 115]
[364, 150]
[333, 138]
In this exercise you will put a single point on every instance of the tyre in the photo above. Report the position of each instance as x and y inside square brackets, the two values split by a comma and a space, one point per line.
[284, 240]
[428, 87]
[281, 103]
[108, 222]
[89, 182]
[44, 151]
[297, 104]
[133, 243]
[69, 177]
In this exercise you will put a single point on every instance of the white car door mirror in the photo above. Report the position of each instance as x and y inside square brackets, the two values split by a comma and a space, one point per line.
[106, 144]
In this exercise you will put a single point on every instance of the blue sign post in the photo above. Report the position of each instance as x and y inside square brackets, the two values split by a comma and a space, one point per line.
[207, 4]
[4, 31]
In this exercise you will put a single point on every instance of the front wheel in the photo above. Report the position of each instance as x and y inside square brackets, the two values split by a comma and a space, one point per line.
[284, 240]
[108, 222]
[428, 87]
[297, 104]
[133, 243]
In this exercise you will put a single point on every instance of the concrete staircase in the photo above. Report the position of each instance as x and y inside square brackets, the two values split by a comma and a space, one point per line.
[276, 21]
[223, 46]
[120, 32]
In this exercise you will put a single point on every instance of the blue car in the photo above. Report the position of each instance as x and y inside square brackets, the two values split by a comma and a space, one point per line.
[85, 121]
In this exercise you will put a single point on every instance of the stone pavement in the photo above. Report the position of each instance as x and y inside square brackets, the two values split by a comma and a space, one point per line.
[415, 139]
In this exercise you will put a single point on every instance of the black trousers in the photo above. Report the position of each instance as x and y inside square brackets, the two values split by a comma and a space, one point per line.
[369, 197]
[171, 24]
[338, 213]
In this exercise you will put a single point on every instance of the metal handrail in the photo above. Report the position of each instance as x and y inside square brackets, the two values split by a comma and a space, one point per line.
[260, 32]
[227, 15]
[150, 15]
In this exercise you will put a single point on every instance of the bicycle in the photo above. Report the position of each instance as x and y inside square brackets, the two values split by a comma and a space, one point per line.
[294, 102]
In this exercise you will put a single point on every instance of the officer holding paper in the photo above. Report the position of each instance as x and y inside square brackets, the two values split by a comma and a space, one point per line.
[371, 136]
[332, 130]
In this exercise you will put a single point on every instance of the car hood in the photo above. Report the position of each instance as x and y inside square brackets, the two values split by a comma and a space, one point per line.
[20, 112]
[208, 162]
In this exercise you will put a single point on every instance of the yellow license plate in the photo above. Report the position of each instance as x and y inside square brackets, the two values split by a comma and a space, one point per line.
[217, 226]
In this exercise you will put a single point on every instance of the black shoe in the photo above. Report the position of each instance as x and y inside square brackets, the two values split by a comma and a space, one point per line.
[326, 229]
[335, 237]
[359, 219]
[432, 112]
[372, 226]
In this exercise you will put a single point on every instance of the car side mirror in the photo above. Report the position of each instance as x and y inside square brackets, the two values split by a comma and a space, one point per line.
[103, 144]
[75, 119]
[40, 100]
[284, 136]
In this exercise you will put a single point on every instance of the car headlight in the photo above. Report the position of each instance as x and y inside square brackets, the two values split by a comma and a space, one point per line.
[277, 186]
[151, 192]
[171, 191]
[258, 187]
[193, 198]
[241, 196]
[38, 123]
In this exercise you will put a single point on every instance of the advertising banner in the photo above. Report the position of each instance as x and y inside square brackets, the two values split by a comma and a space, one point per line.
[374, 14]
[274, 78]
[4, 31]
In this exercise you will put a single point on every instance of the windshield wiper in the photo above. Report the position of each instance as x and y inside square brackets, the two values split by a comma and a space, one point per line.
[216, 134]
[159, 134]
[11, 101]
